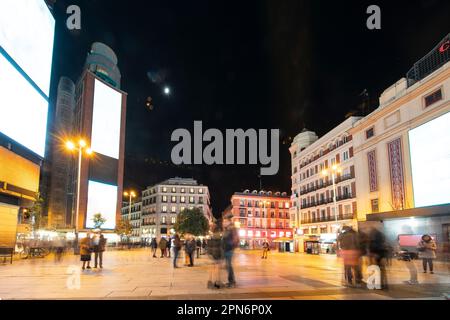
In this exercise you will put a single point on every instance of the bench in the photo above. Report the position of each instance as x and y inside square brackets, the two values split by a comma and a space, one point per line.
[7, 253]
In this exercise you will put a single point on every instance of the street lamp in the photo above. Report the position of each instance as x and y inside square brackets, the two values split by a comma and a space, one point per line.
[334, 170]
[131, 194]
[80, 147]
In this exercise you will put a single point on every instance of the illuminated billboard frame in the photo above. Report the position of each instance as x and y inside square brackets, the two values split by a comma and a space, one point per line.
[102, 198]
[430, 161]
[106, 120]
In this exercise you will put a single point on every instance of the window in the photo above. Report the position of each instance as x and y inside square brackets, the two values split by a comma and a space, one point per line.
[191, 199]
[173, 209]
[174, 189]
[249, 223]
[183, 190]
[345, 155]
[200, 190]
[182, 199]
[370, 133]
[200, 200]
[433, 98]
[272, 214]
[191, 190]
[272, 224]
[163, 220]
[347, 209]
[164, 189]
[173, 199]
[164, 199]
[173, 220]
[323, 229]
[182, 208]
[374, 205]
[164, 208]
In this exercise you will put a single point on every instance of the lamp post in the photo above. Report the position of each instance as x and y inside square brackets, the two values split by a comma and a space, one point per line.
[334, 170]
[80, 147]
[130, 194]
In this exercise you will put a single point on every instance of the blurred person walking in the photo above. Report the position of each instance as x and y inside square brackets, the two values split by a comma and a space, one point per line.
[204, 246]
[163, 246]
[176, 249]
[190, 249]
[215, 252]
[98, 251]
[169, 247]
[266, 249]
[154, 246]
[59, 245]
[427, 252]
[230, 242]
[350, 251]
[85, 251]
[198, 247]
[379, 252]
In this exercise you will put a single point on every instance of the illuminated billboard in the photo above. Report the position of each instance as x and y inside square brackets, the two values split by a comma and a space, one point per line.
[23, 111]
[102, 198]
[430, 161]
[106, 120]
[27, 30]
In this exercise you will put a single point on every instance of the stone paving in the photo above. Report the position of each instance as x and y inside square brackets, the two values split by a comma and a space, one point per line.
[134, 274]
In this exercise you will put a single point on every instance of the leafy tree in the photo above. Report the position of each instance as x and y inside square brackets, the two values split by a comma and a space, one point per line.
[124, 227]
[98, 220]
[193, 222]
[36, 213]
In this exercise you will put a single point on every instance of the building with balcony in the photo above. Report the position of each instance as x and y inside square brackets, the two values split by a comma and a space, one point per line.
[262, 216]
[401, 154]
[316, 162]
[162, 202]
[134, 215]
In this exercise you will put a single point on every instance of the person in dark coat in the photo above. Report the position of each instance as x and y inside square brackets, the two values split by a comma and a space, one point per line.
[190, 248]
[350, 250]
[230, 242]
[198, 246]
[169, 246]
[427, 252]
[163, 246]
[85, 251]
[215, 252]
[176, 249]
[154, 246]
[98, 250]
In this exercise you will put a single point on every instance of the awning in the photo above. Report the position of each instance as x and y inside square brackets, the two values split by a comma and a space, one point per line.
[431, 211]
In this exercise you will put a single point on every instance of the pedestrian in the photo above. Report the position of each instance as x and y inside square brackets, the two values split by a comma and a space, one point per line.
[215, 252]
[58, 245]
[98, 250]
[163, 246]
[154, 246]
[190, 249]
[169, 247]
[230, 242]
[176, 249]
[203, 246]
[379, 252]
[85, 251]
[266, 249]
[198, 247]
[349, 250]
[427, 252]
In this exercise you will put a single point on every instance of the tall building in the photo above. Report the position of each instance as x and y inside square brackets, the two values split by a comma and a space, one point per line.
[92, 111]
[162, 202]
[134, 215]
[60, 196]
[26, 51]
[402, 149]
[262, 216]
[320, 207]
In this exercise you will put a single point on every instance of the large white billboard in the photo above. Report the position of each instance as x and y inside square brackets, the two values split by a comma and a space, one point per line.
[102, 198]
[27, 30]
[23, 111]
[430, 162]
[106, 120]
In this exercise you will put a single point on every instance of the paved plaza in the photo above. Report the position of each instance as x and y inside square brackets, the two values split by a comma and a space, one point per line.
[134, 274]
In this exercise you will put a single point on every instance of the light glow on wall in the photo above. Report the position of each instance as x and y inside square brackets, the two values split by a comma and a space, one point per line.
[23, 111]
[102, 198]
[27, 29]
[430, 161]
[106, 120]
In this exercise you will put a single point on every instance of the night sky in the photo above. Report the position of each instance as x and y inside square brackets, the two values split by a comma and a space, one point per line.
[243, 64]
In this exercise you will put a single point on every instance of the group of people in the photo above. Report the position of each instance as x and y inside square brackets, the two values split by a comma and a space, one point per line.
[353, 246]
[191, 246]
[92, 244]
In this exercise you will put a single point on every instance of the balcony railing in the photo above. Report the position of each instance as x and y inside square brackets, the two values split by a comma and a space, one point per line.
[327, 200]
[328, 218]
[326, 184]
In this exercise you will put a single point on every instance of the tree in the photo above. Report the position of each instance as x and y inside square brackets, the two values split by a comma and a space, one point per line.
[35, 213]
[98, 220]
[124, 227]
[193, 222]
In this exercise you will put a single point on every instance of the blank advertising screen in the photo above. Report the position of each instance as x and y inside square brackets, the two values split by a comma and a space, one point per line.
[23, 111]
[27, 30]
[430, 161]
[102, 198]
[106, 120]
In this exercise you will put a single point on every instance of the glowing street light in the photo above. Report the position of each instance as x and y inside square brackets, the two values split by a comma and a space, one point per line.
[166, 91]
[70, 145]
[131, 194]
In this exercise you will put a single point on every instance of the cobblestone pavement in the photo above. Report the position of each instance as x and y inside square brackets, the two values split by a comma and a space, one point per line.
[134, 274]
